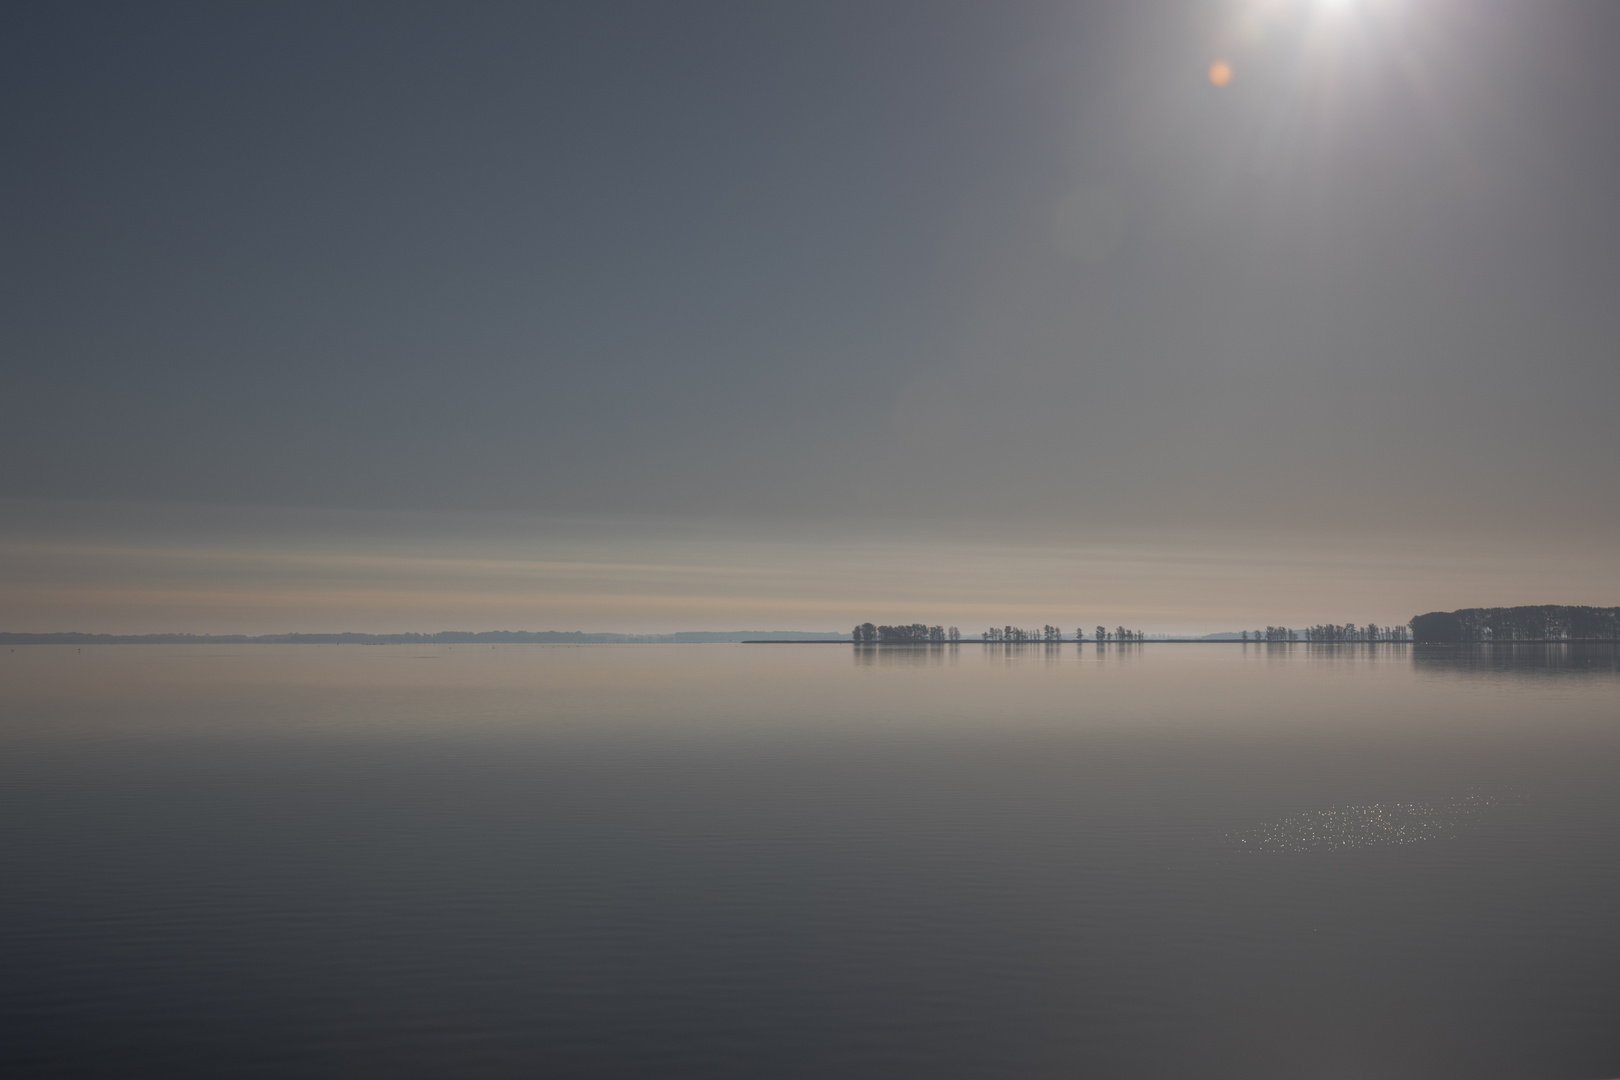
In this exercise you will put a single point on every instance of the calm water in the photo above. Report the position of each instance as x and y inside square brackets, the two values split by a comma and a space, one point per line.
[781, 861]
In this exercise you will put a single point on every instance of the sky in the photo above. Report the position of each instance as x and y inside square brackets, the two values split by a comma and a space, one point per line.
[639, 317]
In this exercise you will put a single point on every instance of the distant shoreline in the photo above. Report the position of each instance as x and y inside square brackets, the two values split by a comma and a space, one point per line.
[685, 638]
[445, 637]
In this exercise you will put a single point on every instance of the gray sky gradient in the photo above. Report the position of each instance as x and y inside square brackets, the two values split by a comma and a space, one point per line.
[821, 270]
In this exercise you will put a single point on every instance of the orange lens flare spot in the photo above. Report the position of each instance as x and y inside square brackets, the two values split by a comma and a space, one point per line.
[1220, 73]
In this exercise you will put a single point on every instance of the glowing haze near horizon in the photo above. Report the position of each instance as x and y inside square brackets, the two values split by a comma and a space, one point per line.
[1192, 316]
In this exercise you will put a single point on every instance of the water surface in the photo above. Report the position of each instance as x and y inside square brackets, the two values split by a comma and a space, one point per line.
[716, 860]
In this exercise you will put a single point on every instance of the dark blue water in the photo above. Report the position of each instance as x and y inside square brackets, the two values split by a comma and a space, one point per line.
[1166, 861]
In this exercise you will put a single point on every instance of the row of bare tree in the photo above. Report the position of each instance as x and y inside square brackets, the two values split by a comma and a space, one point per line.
[923, 634]
[1371, 633]
[1330, 632]
[1051, 635]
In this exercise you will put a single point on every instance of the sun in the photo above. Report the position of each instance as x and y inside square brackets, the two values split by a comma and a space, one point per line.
[1220, 73]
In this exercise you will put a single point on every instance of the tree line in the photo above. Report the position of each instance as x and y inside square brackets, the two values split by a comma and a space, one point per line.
[913, 634]
[1330, 632]
[923, 634]
[1545, 622]
[1050, 634]
[1017, 635]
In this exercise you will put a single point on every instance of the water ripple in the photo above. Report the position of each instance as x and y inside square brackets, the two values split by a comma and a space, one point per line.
[1372, 825]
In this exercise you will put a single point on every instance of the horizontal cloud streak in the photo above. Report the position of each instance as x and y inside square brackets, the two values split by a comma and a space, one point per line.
[258, 571]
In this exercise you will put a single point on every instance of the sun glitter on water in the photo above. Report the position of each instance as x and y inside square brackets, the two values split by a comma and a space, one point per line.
[1220, 73]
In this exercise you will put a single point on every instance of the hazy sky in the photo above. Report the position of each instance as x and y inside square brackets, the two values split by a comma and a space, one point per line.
[646, 316]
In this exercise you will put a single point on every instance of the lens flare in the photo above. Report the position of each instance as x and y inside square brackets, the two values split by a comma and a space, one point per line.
[1220, 73]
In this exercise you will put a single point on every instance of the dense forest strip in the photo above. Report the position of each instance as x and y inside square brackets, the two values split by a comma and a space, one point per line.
[1545, 622]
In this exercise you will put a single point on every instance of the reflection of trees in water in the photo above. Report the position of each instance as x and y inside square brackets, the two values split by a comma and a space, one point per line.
[1117, 652]
[1344, 653]
[1527, 657]
[1015, 653]
[928, 655]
